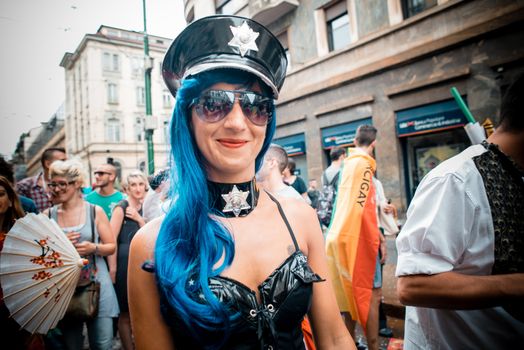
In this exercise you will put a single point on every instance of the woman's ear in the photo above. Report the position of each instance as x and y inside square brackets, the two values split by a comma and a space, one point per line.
[78, 186]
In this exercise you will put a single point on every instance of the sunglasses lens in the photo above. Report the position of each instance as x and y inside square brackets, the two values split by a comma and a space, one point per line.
[214, 106]
[257, 108]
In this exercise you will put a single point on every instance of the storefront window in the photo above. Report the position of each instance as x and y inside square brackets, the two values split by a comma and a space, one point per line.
[342, 135]
[429, 135]
[295, 147]
[423, 153]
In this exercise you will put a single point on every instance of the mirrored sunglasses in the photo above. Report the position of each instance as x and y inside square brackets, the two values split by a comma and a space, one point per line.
[214, 105]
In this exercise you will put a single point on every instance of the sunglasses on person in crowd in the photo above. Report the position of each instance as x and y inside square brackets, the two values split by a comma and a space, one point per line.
[101, 173]
[62, 185]
[213, 105]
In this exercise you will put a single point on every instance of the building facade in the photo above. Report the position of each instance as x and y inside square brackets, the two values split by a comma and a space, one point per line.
[390, 63]
[105, 100]
[51, 134]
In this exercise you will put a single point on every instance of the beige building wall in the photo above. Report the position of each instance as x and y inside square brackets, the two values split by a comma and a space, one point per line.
[98, 126]
[392, 61]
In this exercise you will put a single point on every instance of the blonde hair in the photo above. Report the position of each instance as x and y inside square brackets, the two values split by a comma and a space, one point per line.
[135, 174]
[71, 169]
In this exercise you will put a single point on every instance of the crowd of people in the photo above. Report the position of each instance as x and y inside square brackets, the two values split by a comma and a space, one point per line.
[230, 249]
[100, 221]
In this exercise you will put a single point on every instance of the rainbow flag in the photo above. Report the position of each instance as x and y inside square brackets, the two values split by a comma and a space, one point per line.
[352, 241]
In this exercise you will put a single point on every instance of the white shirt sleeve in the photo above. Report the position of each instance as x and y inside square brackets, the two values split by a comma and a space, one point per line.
[152, 205]
[439, 226]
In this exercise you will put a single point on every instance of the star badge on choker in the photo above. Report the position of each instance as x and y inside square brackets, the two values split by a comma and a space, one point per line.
[236, 201]
[243, 38]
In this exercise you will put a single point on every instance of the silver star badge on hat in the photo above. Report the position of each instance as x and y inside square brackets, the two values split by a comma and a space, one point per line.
[243, 38]
[236, 201]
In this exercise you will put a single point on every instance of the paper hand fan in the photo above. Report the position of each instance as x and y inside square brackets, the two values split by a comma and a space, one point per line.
[39, 271]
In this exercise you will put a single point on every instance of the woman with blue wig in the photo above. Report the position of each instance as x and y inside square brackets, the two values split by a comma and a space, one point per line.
[229, 266]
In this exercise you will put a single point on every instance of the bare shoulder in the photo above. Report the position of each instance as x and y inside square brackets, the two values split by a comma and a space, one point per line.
[302, 218]
[145, 239]
[298, 208]
[99, 211]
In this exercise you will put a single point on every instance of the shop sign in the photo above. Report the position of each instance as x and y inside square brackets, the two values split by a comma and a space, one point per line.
[342, 135]
[429, 118]
[293, 145]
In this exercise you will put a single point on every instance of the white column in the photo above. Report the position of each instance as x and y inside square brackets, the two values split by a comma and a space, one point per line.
[321, 32]
[395, 12]
[204, 8]
[352, 15]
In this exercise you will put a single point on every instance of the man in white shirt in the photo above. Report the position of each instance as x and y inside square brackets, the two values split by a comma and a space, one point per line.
[461, 251]
[270, 174]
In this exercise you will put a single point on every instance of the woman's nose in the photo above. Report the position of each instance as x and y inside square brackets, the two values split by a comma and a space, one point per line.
[235, 119]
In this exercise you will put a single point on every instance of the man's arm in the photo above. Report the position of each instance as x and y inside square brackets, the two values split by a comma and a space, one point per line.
[451, 290]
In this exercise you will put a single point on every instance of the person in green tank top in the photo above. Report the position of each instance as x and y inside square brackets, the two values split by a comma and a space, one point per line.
[105, 195]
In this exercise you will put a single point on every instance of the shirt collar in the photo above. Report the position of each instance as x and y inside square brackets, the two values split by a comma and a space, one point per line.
[35, 179]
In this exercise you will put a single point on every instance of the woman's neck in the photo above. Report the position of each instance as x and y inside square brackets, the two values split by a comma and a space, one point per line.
[134, 202]
[233, 179]
[232, 176]
[233, 199]
[74, 202]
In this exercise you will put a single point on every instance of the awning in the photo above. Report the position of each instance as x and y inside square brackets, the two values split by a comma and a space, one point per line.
[294, 145]
[429, 118]
[342, 134]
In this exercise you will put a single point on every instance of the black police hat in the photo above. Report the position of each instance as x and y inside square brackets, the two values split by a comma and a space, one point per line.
[225, 42]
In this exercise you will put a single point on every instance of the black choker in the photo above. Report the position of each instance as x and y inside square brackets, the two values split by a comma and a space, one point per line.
[233, 200]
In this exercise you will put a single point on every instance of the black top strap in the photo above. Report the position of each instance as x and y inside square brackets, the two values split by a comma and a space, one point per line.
[281, 211]
[93, 218]
[324, 177]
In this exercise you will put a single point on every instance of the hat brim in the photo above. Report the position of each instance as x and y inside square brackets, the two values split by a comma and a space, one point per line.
[231, 63]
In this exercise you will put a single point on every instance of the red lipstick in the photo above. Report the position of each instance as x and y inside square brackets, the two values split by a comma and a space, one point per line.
[232, 143]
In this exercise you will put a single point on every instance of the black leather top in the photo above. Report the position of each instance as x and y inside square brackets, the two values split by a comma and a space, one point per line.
[274, 323]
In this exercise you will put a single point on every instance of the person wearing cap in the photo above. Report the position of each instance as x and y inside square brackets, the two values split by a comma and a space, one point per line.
[228, 266]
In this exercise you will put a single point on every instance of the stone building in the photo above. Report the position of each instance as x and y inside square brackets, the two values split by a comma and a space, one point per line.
[105, 100]
[390, 63]
[50, 134]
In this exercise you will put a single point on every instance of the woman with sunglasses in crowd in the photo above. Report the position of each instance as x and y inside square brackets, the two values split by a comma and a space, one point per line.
[74, 215]
[229, 266]
[125, 222]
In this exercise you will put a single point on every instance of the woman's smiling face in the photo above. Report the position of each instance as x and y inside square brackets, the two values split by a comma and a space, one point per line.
[62, 188]
[231, 145]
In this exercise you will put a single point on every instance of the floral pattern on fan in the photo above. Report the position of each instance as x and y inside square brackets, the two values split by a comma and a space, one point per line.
[39, 270]
[49, 259]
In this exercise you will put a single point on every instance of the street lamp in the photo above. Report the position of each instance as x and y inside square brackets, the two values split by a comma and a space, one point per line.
[149, 120]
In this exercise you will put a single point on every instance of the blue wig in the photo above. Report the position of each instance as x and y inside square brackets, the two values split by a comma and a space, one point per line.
[191, 242]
